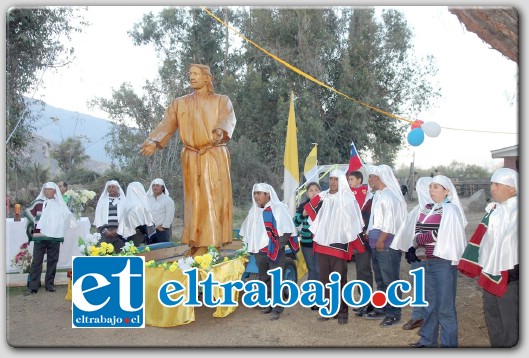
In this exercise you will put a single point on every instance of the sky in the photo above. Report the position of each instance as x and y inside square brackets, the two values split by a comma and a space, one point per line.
[478, 84]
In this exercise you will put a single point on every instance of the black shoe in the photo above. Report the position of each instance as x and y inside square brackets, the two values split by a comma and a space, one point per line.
[417, 345]
[374, 315]
[30, 292]
[359, 311]
[50, 288]
[314, 308]
[274, 315]
[412, 324]
[363, 310]
[266, 310]
[342, 320]
[389, 321]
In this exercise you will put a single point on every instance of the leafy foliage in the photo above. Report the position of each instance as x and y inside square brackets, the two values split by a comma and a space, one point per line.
[70, 155]
[365, 54]
[36, 41]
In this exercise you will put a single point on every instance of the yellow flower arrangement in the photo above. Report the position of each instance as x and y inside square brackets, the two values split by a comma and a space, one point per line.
[103, 250]
[204, 262]
[106, 249]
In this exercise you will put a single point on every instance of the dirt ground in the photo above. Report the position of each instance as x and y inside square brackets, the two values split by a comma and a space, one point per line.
[44, 320]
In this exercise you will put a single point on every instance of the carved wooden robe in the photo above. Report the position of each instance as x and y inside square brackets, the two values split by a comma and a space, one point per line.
[208, 215]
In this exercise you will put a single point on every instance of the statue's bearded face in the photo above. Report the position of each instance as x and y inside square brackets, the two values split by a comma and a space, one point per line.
[196, 78]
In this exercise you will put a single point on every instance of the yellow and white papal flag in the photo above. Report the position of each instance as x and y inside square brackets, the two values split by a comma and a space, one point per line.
[311, 165]
[290, 162]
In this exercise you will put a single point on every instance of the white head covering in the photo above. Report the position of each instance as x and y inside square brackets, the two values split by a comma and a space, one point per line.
[253, 229]
[403, 239]
[389, 220]
[101, 213]
[499, 247]
[452, 194]
[136, 212]
[422, 187]
[160, 182]
[339, 219]
[55, 217]
[344, 192]
[386, 175]
[505, 176]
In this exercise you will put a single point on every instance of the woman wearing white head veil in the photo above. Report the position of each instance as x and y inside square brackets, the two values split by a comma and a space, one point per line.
[440, 241]
[162, 209]
[47, 219]
[336, 225]
[492, 256]
[266, 230]
[108, 213]
[136, 223]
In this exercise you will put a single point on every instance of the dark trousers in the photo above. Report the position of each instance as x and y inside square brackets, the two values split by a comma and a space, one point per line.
[502, 315]
[328, 264]
[386, 269]
[311, 258]
[264, 264]
[51, 250]
[364, 271]
[117, 241]
[163, 236]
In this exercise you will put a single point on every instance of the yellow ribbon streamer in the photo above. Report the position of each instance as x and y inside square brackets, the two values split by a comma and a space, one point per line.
[315, 80]
[300, 72]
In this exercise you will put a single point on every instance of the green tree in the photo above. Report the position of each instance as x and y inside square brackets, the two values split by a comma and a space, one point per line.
[365, 55]
[36, 41]
[70, 155]
[379, 68]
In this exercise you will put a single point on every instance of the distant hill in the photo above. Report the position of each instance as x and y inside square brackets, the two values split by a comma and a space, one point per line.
[38, 151]
[56, 124]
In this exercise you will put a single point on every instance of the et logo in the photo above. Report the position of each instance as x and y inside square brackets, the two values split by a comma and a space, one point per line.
[108, 292]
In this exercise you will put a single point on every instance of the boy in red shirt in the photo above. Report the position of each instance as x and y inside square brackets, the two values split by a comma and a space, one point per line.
[360, 190]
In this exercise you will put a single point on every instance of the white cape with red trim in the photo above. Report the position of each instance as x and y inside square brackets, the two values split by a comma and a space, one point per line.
[338, 220]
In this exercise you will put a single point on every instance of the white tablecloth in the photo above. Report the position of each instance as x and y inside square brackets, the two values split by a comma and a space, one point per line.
[16, 236]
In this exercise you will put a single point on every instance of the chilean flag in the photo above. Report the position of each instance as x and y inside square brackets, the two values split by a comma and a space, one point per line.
[355, 162]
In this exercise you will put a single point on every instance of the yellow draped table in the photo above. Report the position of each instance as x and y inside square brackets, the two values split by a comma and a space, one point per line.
[159, 315]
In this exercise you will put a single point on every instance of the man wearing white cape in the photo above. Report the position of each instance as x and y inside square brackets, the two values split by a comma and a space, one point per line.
[388, 212]
[336, 222]
[109, 211]
[492, 256]
[266, 230]
[47, 219]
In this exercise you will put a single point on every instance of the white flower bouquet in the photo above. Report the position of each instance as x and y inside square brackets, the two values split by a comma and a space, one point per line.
[78, 199]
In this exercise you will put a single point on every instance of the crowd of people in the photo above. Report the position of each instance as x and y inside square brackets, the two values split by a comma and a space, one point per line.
[371, 223]
[135, 216]
[350, 220]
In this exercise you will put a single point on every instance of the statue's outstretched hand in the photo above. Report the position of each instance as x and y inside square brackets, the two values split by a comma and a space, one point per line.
[148, 148]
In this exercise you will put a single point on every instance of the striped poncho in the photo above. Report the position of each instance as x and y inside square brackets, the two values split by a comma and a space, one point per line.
[469, 263]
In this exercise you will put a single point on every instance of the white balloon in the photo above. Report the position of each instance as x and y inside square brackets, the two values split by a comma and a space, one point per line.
[431, 129]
